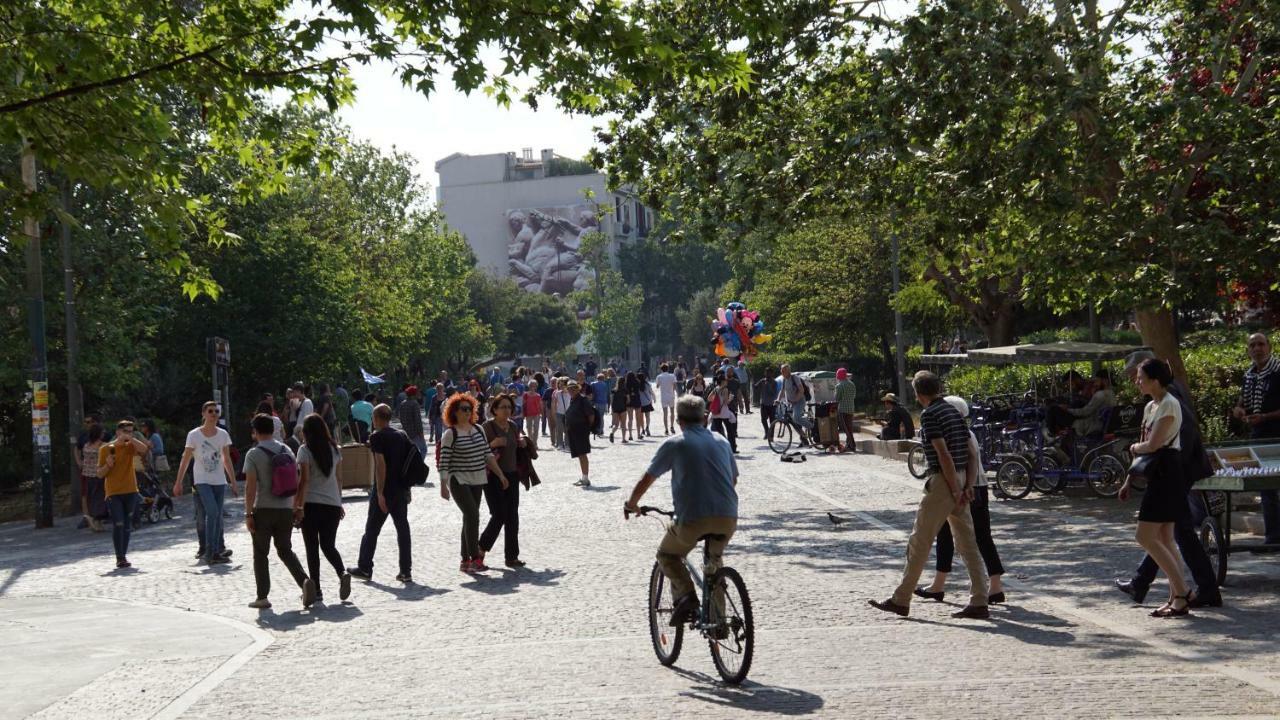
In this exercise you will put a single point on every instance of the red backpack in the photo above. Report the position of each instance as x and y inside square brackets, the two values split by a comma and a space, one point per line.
[284, 473]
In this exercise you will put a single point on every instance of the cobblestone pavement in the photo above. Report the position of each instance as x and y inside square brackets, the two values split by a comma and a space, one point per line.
[567, 636]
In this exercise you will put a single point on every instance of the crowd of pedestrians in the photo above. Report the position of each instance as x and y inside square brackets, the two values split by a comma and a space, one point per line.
[486, 429]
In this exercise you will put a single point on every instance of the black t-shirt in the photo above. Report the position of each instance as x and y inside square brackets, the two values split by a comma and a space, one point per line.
[393, 446]
[898, 426]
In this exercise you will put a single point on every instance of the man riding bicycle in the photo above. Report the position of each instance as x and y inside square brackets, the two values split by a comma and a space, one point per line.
[703, 480]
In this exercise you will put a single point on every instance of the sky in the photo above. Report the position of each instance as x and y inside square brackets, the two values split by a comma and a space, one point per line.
[391, 116]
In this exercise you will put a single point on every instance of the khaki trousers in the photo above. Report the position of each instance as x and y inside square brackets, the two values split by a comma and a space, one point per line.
[683, 537]
[936, 508]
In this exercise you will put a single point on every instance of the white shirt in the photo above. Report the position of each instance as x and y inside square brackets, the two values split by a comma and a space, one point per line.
[1169, 406]
[307, 408]
[666, 383]
[206, 463]
[277, 429]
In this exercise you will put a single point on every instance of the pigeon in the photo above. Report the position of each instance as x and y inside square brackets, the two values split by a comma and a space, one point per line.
[836, 520]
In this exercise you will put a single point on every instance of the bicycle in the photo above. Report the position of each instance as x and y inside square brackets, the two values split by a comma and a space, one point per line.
[724, 616]
[783, 429]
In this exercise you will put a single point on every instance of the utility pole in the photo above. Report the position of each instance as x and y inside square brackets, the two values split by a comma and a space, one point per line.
[75, 400]
[42, 462]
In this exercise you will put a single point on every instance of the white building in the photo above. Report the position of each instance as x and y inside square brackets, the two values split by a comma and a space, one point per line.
[524, 216]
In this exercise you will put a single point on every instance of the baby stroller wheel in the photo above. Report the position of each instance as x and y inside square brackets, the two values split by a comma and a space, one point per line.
[168, 511]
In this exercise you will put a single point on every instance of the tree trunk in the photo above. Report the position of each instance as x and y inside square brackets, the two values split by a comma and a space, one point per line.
[997, 326]
[1160, 334]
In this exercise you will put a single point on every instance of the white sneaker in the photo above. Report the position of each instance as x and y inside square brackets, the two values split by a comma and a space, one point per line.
[578, 482]
[585, 483]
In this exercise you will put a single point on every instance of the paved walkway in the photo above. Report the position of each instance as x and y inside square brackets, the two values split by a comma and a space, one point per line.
[567, 637]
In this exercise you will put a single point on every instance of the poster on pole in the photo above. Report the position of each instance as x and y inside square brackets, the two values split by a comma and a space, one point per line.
[40, 414]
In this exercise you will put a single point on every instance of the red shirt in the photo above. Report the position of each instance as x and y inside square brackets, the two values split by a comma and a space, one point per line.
[532, 405]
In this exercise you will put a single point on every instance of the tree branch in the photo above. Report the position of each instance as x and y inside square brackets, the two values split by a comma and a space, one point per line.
[110, 82]
[1021, 13]
[1116, 16]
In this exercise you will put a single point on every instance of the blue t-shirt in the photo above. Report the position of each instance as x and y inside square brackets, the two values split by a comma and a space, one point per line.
[600, 392]
[157, 444]
[362, 411]
[702, 473]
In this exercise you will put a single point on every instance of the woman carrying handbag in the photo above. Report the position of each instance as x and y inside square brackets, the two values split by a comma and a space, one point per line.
[1165, 500]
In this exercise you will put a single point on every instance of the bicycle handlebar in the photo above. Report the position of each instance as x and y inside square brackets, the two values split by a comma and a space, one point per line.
[646, 509]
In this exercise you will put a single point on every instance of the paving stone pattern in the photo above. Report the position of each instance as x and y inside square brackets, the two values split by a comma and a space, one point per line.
[567, 636]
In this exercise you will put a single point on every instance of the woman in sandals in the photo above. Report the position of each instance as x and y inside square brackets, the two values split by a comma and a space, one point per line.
[464, 457]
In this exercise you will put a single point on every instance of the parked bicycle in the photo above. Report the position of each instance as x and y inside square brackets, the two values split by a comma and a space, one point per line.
[724, 615]
[783, 430]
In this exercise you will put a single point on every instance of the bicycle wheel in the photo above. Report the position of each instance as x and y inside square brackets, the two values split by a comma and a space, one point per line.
[780, 436]
[1049, 479]
[917, 462]
[731, 632]
[666, 639]
[1215, 546]
[1106, 475]
[1013, 478]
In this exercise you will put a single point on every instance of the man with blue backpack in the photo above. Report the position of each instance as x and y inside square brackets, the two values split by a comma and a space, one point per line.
[271, 481]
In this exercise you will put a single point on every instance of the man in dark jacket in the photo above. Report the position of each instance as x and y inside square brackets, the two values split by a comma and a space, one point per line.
[1195, 462]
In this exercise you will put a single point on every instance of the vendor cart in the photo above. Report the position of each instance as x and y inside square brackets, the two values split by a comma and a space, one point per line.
[1245, 468]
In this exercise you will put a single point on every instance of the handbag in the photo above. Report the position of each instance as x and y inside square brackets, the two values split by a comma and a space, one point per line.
[1142, 465]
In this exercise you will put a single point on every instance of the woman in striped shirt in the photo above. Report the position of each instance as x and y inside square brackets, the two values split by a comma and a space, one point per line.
[464, 456]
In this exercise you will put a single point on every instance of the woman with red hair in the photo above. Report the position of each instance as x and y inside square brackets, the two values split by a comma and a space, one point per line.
[464, 456]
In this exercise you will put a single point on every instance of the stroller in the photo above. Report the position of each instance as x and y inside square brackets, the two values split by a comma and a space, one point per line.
[156, 500]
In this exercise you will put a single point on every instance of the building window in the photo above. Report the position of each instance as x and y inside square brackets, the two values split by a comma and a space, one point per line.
[642, 221]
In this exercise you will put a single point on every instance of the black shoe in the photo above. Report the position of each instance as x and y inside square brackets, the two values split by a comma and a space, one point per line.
[929, 594]
[219, 560]
[225, 552]
[200, 554]
[344, 587]
[684, 610]
[515, 563]
[996, 598]
[890, 606]
[972, 612]
[405, 578]
[1199, 600]
[359, 574]
[1132, 589]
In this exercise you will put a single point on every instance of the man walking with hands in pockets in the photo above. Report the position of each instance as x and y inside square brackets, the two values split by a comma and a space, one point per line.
[946, 492]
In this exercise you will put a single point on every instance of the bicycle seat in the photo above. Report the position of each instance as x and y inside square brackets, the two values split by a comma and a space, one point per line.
[712, 536]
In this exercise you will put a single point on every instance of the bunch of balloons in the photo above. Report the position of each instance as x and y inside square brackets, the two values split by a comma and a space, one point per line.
[738, 331]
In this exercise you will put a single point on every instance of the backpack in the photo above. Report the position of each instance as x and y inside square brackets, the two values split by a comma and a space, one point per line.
[415, 470]
[284, 473]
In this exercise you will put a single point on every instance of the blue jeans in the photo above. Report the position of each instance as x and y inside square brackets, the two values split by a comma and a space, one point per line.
[121, 508]
[211, 498]
[437, 429]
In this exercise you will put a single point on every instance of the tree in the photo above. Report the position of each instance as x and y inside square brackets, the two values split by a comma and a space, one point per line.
[670, 270]
[611, 329]
[695, 317]
[826, 290]
[100, 82]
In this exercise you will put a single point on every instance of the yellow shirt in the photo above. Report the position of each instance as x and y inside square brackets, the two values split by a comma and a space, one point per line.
[119, 480]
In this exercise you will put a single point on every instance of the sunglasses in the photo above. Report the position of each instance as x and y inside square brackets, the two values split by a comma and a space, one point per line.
[211, 411]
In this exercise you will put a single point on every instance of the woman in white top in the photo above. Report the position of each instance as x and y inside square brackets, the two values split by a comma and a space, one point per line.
[319, 499]
[980, 510]
[464, 457]
[1165, 500]
[560, 400]
[723, 420]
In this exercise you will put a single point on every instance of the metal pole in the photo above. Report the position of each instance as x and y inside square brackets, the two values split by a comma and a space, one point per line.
[40, 441]
[897, 321]
[75, 399]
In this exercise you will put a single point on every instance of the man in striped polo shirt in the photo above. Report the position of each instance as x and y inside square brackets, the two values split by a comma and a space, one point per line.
[946, 492]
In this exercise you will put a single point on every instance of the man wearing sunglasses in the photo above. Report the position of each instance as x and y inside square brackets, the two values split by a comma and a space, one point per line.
[208, 453]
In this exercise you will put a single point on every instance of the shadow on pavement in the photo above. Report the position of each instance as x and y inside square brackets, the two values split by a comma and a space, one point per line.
[509, 581]
[411, 591]
[750, 696]
[294, 619]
